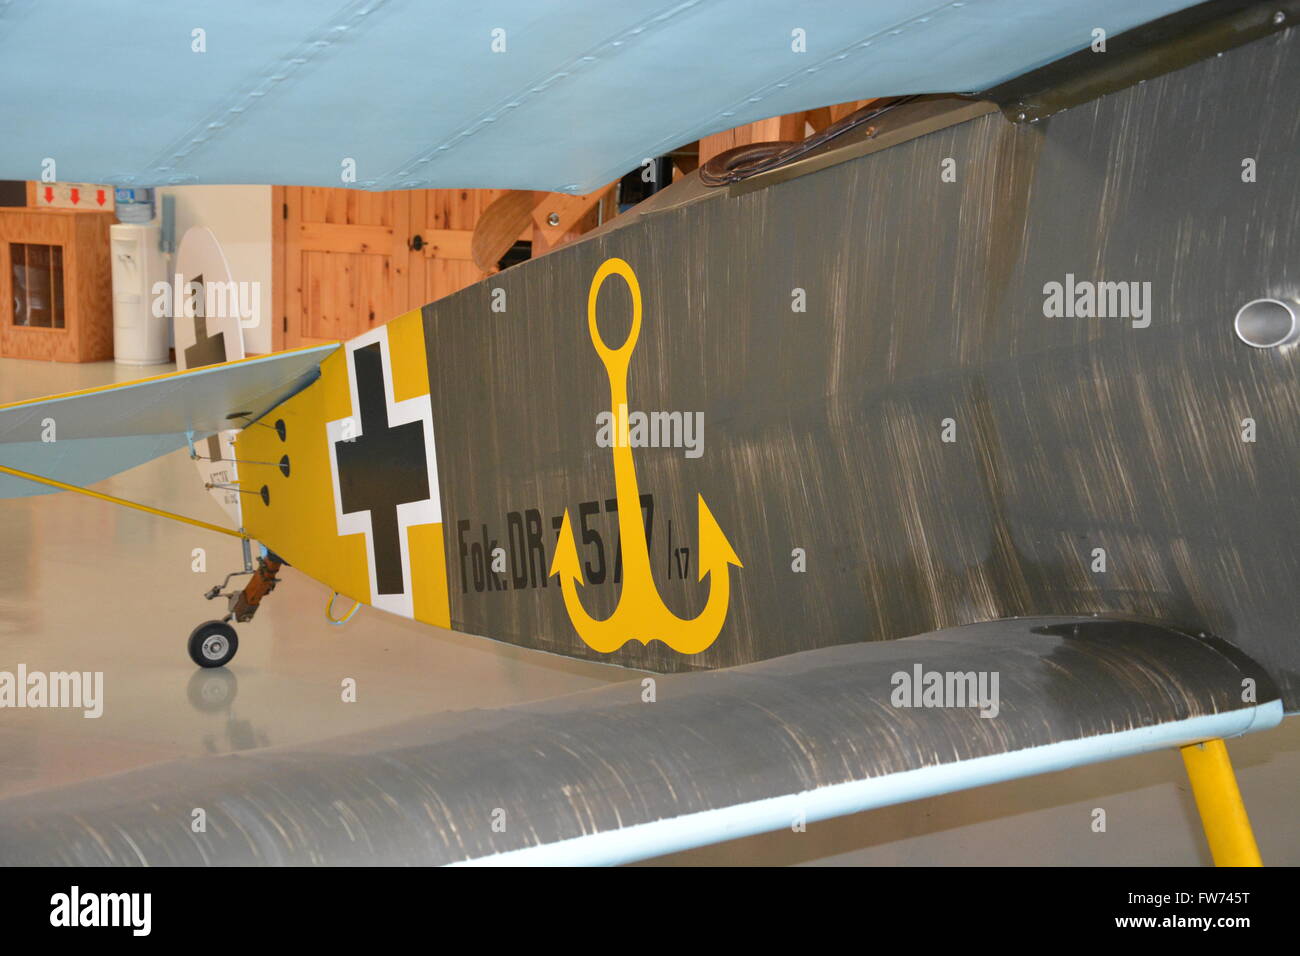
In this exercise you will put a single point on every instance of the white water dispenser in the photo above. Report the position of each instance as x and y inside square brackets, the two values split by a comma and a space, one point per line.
[139, 337]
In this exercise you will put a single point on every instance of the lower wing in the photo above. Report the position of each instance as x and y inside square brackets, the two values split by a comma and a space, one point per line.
[619, 774]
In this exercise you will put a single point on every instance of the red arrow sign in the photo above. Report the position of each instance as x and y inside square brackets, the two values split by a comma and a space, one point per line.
[99, 196]
[76, 196]
[49, 194]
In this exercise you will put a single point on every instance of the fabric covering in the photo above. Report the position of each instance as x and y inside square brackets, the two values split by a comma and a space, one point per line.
[607, 776]
[564, 95]
[84, 437]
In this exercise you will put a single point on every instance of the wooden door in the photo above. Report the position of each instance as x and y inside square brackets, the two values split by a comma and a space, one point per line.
[345, 262]
[445, 220]
[350, 260]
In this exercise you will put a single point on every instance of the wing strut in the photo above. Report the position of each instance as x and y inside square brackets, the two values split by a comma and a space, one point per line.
[1223, 815]
[64, 486]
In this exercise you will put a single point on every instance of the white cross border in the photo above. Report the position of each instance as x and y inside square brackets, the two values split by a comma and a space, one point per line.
[428, 511]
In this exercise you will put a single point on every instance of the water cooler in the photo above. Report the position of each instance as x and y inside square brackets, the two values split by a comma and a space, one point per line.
[139, 337]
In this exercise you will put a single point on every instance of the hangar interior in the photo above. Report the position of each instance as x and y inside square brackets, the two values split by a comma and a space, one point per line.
[954, 336]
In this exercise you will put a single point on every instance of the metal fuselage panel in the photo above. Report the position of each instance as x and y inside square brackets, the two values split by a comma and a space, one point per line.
[924, 300]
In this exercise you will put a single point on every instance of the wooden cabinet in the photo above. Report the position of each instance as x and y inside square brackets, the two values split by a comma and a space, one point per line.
[56, 286]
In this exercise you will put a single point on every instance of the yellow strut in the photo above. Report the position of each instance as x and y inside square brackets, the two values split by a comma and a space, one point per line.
[1223, 815]
[62, 486]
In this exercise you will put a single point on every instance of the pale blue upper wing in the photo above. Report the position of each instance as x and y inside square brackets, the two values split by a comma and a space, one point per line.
[566, 94]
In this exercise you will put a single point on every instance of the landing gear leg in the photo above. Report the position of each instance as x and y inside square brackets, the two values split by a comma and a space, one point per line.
[214, 643]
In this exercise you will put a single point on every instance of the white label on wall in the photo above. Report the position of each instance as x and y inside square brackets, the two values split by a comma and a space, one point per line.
[74, 196]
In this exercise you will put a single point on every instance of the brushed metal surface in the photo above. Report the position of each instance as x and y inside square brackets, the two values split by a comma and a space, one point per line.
[925, 302]
[430, 790]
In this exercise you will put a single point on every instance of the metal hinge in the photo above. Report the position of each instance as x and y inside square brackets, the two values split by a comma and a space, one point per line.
[1153, 49]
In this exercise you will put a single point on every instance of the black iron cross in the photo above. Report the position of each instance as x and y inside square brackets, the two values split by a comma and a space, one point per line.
[381, 468]
[205, 350]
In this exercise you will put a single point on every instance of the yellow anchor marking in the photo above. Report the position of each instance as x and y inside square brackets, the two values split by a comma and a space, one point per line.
[641, 613]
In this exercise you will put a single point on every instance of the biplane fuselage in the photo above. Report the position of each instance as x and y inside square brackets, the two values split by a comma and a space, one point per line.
[904, 429]
[997, 393]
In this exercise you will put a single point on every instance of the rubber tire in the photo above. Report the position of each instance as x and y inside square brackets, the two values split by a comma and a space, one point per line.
[213, 629]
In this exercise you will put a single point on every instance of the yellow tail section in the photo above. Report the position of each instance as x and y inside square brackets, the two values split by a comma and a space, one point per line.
[302, 518]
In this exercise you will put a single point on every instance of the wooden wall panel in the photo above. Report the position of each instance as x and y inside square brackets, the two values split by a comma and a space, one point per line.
[88, 279]
[279, 314]
[348, 261]
[325, 230]
[445, 265]
[345, 262]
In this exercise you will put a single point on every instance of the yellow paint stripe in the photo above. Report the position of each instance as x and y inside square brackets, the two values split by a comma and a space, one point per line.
[430, 598]
[63, 486]
[159, 378]
[299, 523]
[406, 354]
[1223, 815]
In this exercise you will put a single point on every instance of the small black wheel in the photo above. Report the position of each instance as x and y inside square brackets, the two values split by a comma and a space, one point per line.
[213, 644]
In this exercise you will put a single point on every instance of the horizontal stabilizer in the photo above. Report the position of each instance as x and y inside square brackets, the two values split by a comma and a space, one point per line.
[83, 437]
[606, 777]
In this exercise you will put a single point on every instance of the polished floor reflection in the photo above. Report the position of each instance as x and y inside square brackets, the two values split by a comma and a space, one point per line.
[90, 587]
[87, 586]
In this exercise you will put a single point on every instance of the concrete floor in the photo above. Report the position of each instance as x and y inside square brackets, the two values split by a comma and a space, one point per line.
[87, 586]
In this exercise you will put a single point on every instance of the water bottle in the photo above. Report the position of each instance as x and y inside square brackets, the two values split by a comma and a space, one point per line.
[134, 204]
